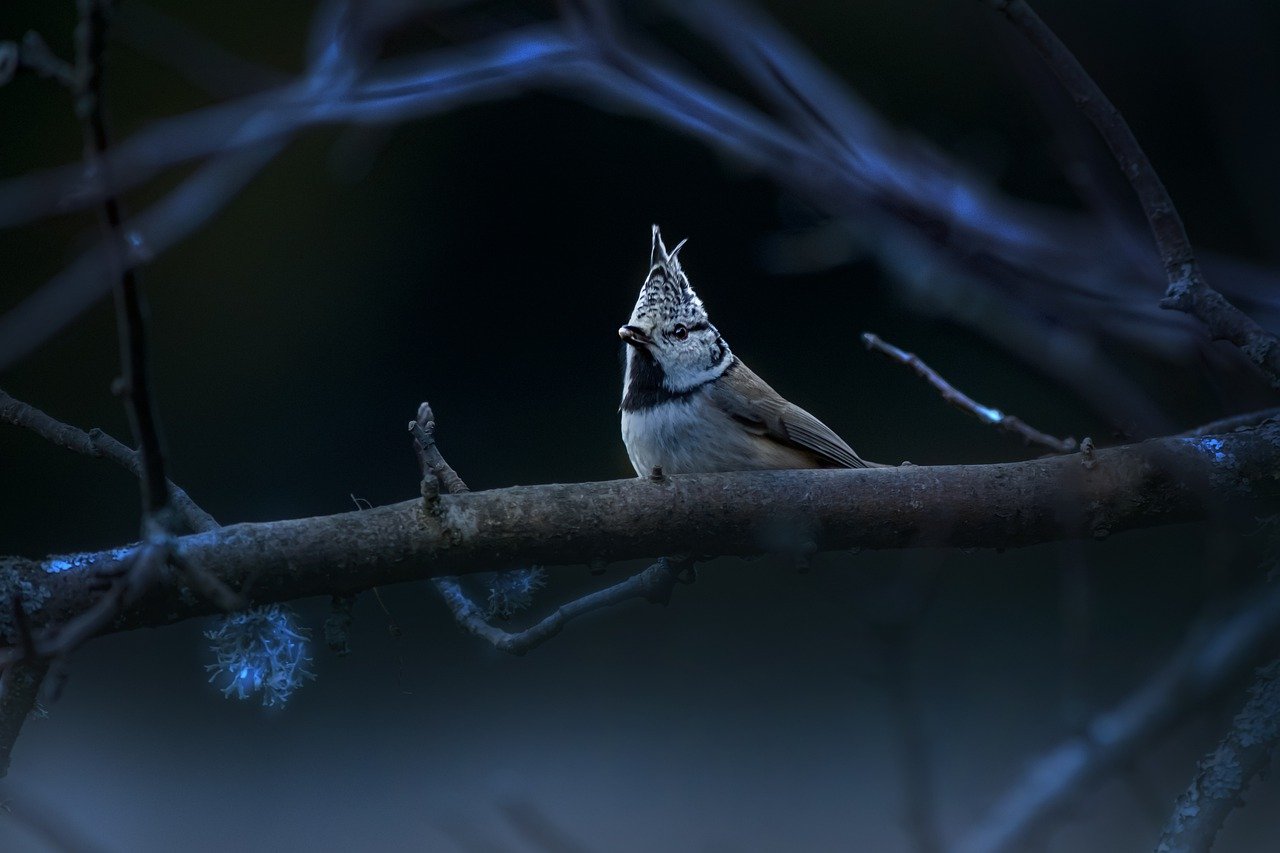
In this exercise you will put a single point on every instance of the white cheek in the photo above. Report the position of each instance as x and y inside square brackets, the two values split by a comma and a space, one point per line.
[689, 370]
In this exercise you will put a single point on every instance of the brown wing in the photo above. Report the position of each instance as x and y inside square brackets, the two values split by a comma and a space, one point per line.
[749, 400]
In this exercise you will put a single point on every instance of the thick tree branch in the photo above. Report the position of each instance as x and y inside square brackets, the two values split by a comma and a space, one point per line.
[1225, 773]
[1188, 291]
[1206, 663]
[962, 401]
[1158, 482]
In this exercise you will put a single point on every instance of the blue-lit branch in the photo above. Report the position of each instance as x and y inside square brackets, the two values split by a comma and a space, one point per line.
[927, 220]
[988, 415]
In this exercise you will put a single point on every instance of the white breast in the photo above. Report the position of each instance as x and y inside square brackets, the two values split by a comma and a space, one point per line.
[692, 435]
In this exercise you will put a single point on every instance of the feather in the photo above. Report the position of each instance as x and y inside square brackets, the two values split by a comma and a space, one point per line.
[750, 401]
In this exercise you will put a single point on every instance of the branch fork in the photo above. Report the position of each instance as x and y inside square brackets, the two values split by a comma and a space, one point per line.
[653, 584]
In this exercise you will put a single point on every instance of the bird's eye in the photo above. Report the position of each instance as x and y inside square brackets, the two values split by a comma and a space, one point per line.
[679, 332]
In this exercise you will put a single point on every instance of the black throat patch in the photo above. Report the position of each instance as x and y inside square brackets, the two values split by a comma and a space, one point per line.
[645, 390]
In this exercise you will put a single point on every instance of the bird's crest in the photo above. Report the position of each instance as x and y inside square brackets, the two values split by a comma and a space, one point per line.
[660, 257]
[667, 294]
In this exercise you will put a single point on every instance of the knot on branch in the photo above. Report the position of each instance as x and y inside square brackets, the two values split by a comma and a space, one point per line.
[1087, 457]
[659, 580]
[1178, 298]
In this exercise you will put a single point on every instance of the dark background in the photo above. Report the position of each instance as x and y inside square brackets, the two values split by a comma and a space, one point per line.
[482, 260]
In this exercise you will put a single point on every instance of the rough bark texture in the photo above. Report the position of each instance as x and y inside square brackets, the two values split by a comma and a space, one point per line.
[1225, 773]
[1094, 494]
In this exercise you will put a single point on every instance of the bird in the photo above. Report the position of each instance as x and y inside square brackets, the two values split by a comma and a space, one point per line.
[689, 405]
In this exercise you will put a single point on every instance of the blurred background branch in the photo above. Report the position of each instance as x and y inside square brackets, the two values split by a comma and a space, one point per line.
[1209, 660]
[956, 247]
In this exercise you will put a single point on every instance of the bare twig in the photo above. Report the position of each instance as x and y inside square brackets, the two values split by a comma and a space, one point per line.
[654, 584]
[177, 215]
[1205, 664]
[130, 570]
[393, 627]
[914, 760]
[19, 685]
[1232, 423]
[430, 459]
[1188, 291]
[98, 444]
[1225, 773]
[964, 402]
[438, 474]
[135, 379]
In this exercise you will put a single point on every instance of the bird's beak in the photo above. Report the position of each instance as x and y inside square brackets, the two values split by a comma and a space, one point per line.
[634, 335]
